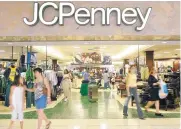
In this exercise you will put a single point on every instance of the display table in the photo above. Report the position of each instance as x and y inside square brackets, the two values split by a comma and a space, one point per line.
[84, 88]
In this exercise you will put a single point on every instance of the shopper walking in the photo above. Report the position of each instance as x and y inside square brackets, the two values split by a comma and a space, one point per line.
[17, 99]
[131, 86]
[153, 82]
[42, 96]
[113, 80]
[106, 80]
[66, 85]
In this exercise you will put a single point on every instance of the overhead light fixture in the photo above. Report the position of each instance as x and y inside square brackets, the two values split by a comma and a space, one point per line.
[76, 47]
[50, 50]
[2, 50]
[10, 43]
[102, 47]
[128, 51]
[164, 42]
[166, 52]
[178, 49]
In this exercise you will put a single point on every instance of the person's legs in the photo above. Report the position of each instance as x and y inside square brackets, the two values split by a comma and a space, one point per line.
[108, 85]
[157, 105]
[21, 119]
[44, 117]
[149, 104]
[14, 116]
[11, 124]
[140, 113]
[105, 85]
[125, 108]
[39, 119]
[21, 124]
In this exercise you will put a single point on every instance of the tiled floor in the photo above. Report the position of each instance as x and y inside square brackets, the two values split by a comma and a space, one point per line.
[173, 123]
[79, 113]
[79, 107]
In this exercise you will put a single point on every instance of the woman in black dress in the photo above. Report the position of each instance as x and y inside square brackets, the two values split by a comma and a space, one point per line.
[154, 84]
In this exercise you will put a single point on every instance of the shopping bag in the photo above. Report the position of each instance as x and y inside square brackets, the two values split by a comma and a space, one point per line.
[163, 92]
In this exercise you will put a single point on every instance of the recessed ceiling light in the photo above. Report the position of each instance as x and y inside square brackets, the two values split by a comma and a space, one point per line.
[177, 49]
[102, 47]
[10, 43]
[164, 42]
[2, 50]
[76, 47]
[166, 52]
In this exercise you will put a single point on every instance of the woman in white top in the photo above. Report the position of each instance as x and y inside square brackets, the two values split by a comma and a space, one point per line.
[131, 86]
[17, 99]
[66, 85]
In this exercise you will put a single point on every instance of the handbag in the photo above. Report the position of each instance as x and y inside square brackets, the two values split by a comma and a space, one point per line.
[45, 91]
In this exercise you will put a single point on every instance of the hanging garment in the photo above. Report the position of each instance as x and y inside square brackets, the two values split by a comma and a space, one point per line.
[144, 73]
[12, 73]
[8, 87]
[28, 58]
[121, 71]
[51, 76]
[29, 74]
[126, 69]
[33, 59]
[22, 60]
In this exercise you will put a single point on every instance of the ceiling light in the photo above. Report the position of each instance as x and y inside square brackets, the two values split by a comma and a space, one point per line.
[76, 47]
[50, 51]
[166, 52]
[164, 42]
[177, 49]
[102, 47]
[128, 51]
[2, 50]
[10, 43]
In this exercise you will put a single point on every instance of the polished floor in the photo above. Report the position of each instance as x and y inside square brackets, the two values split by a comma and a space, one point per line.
[79, 113]
[79, 107]
[169, 123]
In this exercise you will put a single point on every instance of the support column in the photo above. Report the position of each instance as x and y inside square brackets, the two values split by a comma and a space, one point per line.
[150, 59]
[54, 64]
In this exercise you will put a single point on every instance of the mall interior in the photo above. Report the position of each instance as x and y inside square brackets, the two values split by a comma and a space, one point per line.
[92, 49]
[95, 57]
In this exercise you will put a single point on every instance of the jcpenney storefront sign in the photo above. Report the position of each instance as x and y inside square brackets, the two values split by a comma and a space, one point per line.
[84, 16]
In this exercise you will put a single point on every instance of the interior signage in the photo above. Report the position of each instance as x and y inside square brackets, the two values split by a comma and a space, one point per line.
[83, 16]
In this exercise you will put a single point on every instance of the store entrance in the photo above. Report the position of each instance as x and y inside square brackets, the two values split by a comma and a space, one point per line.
[93, 58]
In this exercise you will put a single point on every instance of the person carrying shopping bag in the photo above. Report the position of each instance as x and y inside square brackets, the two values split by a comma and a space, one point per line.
[131, 86]
[154, 84]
